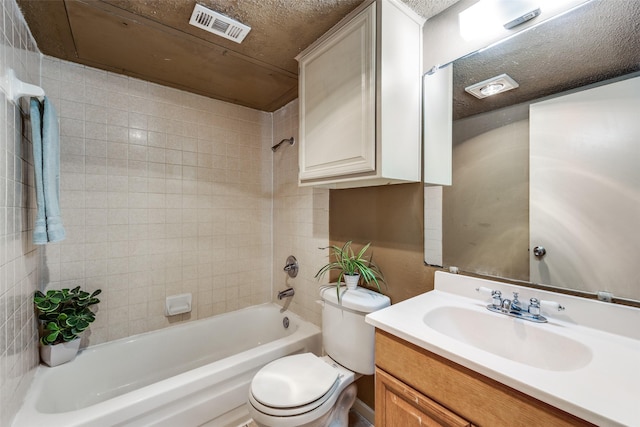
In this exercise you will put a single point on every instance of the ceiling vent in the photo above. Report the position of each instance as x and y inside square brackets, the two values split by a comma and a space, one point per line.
[219, 24]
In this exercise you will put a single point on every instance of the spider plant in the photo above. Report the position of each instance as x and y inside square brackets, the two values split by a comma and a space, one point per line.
[348, 263]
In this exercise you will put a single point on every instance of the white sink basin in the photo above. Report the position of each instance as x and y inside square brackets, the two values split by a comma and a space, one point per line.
[514, 339]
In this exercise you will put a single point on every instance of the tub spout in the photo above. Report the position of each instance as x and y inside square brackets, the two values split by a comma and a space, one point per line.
[289, 292]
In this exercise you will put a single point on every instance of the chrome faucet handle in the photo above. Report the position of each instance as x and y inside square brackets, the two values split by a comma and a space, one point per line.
[291, 267]
[534, 307]
[496, 298]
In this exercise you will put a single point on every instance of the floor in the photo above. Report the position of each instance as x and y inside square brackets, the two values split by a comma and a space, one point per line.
[355, 420]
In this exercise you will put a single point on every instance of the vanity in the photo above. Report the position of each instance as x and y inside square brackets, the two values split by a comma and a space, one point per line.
[443, 357]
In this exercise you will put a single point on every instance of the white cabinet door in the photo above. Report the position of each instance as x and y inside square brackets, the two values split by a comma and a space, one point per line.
[337, 102]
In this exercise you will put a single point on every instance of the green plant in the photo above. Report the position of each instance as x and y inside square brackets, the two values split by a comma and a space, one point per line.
[64, 313]
[347, 262]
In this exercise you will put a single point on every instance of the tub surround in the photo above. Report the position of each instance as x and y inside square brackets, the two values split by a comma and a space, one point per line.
[163, 192]
[608, 332]
[300, 222]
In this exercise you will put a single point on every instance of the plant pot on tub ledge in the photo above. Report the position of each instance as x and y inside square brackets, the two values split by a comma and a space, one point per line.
[352, 267]
[63, 315]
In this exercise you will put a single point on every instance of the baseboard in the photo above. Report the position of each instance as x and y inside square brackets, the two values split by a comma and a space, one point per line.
[363, 409]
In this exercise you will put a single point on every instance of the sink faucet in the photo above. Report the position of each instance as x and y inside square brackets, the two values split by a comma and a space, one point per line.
[514, 308]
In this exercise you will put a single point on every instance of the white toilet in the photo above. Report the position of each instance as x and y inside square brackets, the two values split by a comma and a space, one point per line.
[307, 390]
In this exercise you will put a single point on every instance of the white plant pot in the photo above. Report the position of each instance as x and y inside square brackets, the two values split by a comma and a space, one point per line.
[54, 355]
[351, 281]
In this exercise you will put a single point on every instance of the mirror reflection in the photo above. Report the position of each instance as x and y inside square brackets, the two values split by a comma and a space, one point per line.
[486, 226]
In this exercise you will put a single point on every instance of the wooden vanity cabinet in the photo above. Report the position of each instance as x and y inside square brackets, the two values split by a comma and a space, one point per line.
[415, 387]
[360, 100]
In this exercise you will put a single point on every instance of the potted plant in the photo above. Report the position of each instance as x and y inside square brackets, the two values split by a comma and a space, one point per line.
[63, 315]
[352, 267]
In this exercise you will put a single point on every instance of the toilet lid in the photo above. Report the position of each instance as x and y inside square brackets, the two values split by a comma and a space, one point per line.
[293, 381]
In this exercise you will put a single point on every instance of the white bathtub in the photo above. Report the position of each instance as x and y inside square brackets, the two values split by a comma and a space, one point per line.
[186, 375]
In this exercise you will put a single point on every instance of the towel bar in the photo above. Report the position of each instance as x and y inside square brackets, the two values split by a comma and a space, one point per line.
[16, 89]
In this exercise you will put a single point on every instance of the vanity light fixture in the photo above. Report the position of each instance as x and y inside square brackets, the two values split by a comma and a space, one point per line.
[492, 86]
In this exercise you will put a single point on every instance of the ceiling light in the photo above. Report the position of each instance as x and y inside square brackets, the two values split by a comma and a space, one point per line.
[492, 89]
[492, 86]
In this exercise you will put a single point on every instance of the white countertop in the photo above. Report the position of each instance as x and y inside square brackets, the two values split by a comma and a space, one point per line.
[605, 391]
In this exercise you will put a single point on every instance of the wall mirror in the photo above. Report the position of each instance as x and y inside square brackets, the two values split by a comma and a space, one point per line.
[486, 212]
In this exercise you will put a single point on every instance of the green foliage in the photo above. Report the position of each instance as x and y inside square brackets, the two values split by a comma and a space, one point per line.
[347, 262]
[64, 313]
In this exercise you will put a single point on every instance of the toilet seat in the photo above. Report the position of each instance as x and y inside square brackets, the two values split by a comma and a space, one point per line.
[293, 385]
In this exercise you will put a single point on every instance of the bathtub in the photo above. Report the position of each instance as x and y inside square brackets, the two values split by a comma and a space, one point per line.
[192, 374]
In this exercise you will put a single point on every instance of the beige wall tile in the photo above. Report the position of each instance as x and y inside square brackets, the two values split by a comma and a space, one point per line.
[143, 167]
[18, 256]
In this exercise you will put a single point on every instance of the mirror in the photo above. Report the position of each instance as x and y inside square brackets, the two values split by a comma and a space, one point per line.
[485, 213]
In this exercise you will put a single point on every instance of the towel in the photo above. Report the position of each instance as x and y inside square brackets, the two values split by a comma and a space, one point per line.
[46, 164]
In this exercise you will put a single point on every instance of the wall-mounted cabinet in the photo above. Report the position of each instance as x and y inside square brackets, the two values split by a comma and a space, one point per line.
[360, 100]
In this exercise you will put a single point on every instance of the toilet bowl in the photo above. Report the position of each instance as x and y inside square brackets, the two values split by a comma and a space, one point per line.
[305, 390]
[302, 390]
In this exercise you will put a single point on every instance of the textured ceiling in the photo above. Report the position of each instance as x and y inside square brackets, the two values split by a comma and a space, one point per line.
[152, 40]
[596, 42]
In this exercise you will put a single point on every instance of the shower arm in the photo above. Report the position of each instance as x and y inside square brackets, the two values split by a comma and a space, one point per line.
[291, 141]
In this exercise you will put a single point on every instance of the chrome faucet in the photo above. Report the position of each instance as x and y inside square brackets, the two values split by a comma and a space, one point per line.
[514, 308]
[289, 292]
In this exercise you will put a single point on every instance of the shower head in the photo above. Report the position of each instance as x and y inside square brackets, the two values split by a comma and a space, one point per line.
[291, 141]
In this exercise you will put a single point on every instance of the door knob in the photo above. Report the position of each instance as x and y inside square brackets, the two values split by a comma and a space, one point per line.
[539, 251]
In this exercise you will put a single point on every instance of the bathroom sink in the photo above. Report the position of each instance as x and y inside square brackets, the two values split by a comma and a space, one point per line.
[584, 360]
[514, 339]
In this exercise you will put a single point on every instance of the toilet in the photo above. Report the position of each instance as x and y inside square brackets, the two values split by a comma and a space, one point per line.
[304, 390]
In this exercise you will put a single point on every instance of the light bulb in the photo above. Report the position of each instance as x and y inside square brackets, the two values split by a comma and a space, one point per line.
[492, 89]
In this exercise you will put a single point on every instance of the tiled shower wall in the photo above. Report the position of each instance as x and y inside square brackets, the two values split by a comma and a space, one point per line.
[18, 256]
[300, 221]
[162, 192]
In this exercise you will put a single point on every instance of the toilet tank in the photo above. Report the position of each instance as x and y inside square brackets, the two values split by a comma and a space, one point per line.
[346, 337]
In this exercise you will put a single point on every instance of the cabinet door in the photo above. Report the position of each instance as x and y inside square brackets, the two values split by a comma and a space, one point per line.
[398, 405]
[337, 102]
